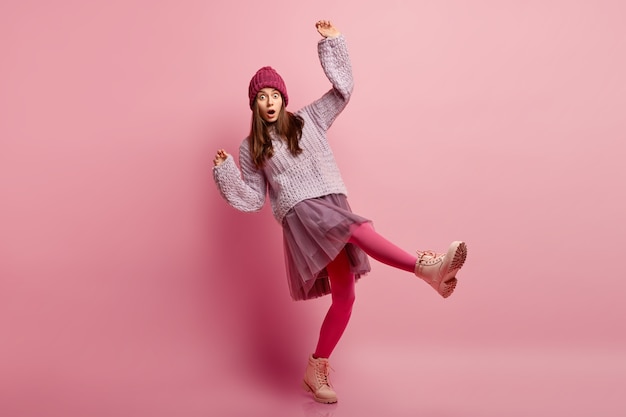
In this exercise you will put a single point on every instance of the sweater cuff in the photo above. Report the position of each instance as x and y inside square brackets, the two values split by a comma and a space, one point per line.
[221, 166]
[331, 40]
[225, 172]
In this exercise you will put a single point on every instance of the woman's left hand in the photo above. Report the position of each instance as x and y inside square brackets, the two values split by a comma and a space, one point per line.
[326, 29]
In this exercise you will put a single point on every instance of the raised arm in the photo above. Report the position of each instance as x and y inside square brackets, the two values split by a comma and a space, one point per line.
[335, 61]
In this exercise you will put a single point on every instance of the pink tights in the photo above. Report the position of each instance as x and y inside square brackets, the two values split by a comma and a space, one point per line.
[342, 282]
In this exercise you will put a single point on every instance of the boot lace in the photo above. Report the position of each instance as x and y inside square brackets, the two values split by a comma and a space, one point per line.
[321, 373]
[427, 254]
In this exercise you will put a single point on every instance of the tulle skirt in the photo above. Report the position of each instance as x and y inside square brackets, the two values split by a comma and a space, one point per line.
[315, 231]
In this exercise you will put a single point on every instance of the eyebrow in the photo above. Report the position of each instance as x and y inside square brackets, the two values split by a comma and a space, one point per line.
[263, 92]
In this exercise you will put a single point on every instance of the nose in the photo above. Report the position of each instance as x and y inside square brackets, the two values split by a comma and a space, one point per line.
[270, 101]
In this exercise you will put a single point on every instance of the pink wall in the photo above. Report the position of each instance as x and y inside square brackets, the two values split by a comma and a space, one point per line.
[124, 274]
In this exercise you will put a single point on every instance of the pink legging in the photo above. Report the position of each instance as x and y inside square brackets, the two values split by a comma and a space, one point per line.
[342, 282]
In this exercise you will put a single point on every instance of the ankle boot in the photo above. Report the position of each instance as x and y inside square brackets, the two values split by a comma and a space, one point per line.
[439, 270]
[316, 380]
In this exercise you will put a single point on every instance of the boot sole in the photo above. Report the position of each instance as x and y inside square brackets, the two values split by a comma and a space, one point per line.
[315, 397]
[458, 253]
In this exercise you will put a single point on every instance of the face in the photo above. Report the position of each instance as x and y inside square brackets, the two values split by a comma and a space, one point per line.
[270, 101]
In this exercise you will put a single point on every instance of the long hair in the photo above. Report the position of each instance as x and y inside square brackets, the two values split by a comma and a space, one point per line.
[288, 127]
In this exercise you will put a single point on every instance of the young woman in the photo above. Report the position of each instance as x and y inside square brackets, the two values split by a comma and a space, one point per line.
[326, 245]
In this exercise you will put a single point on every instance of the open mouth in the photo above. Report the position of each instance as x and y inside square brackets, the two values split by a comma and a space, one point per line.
[271, 112]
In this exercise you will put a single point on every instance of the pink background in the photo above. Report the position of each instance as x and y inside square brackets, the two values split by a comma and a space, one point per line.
[129, 287]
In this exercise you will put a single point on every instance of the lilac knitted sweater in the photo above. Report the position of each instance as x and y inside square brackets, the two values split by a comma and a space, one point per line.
[290, 179]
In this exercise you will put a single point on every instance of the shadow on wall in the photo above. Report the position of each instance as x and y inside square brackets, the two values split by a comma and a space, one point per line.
[266, 331]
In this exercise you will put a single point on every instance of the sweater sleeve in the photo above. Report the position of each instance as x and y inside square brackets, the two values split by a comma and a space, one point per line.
[333, 54]
[244, 190]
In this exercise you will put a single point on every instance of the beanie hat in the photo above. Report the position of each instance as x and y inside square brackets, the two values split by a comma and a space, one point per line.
[264, 78]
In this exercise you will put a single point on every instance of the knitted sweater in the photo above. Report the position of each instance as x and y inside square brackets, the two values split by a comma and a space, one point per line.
[290, 179]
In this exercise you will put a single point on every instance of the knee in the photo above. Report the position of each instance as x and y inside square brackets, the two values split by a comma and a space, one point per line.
[344, 302]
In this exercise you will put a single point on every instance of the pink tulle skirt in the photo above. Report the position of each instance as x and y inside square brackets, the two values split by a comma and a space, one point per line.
[314, 233]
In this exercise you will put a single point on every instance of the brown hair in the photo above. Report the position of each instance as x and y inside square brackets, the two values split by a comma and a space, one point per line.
[288, 127]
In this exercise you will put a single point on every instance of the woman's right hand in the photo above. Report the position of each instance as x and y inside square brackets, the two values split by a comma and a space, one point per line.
[220, 157]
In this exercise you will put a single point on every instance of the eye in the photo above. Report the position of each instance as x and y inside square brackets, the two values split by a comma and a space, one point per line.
[261, 97]
[276, 95]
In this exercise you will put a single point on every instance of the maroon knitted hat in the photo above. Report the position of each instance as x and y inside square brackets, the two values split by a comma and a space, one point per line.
[264, 78]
